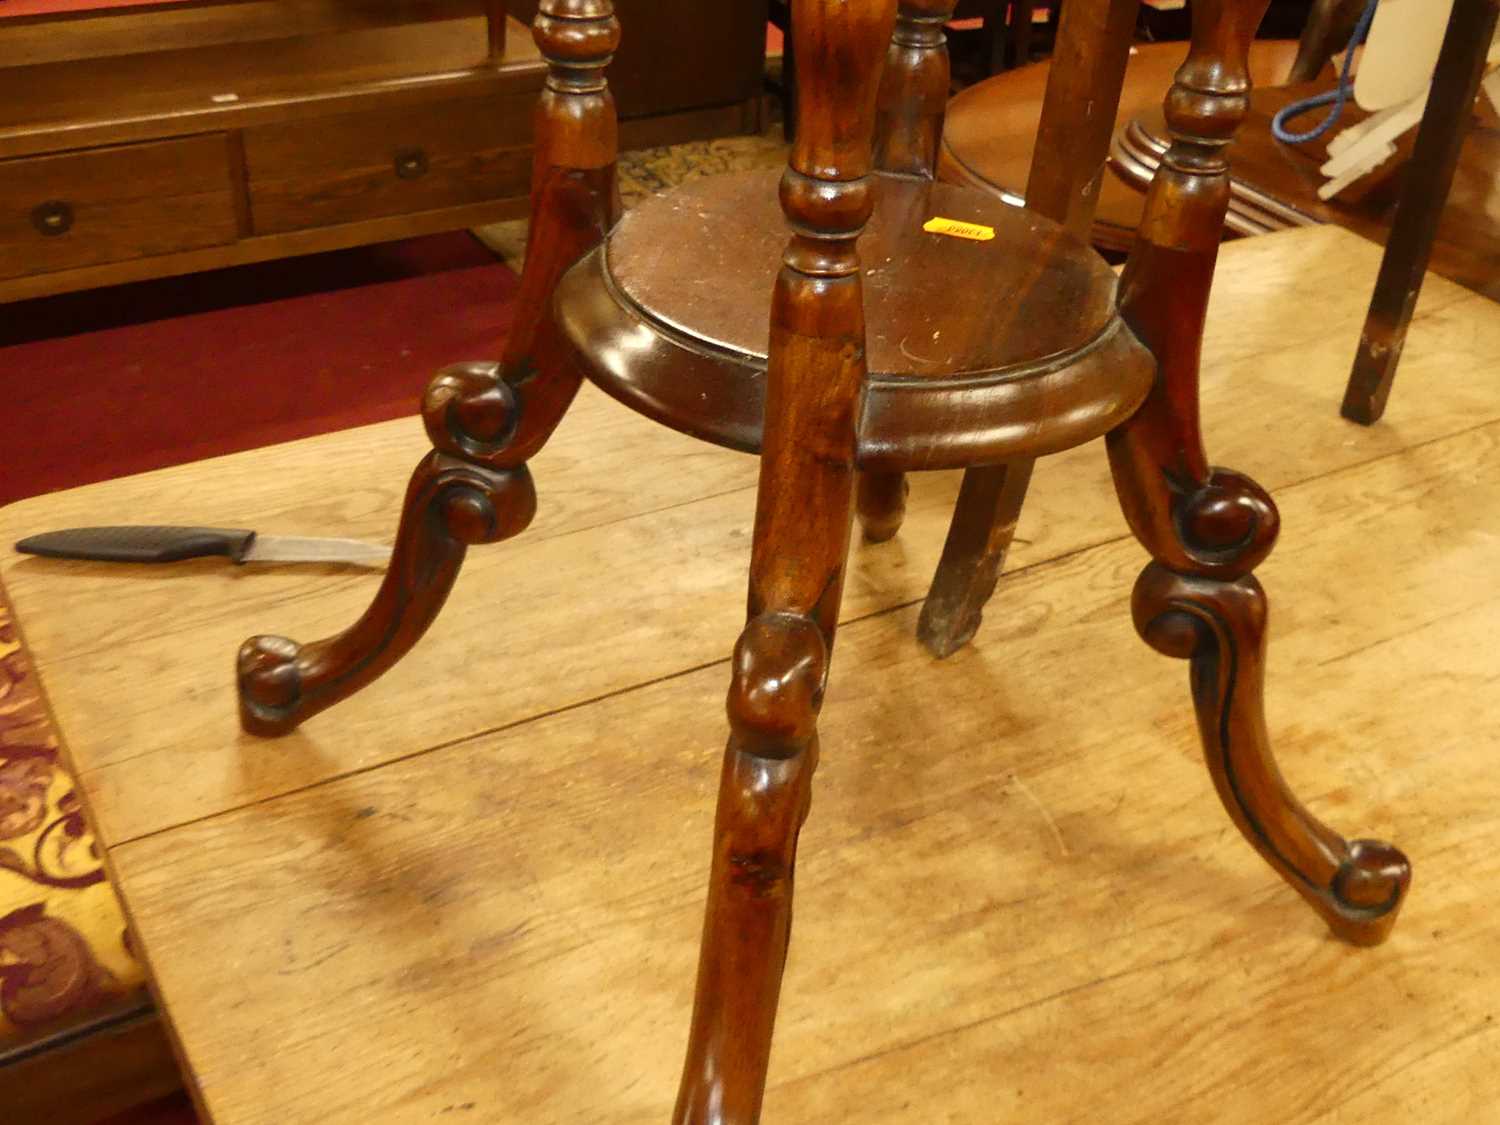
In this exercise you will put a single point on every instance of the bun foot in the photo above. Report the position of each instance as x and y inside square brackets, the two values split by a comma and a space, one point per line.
[1368, 892]
[270, 685]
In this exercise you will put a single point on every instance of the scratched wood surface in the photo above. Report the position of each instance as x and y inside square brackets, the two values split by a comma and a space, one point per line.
[474, 890]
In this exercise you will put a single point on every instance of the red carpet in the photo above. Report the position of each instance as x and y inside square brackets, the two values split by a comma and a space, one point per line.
[112, 382]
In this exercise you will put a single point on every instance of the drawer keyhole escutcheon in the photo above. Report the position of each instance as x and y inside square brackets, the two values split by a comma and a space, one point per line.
[411, 163]
[52, 218]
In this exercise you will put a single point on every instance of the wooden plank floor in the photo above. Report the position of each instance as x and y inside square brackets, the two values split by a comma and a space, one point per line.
[474, 891]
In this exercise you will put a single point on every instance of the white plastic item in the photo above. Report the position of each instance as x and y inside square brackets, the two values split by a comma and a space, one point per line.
[1401, 53]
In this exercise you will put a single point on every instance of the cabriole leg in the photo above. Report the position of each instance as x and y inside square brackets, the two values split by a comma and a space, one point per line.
[485, 420]
[1208, 528]
[1357, 886]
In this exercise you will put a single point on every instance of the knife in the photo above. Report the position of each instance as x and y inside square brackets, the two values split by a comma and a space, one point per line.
[171, 544]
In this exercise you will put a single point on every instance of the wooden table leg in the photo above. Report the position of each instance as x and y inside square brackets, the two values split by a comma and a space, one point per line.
[984, 523]
[1083, 96]
[1429, 177]
[494, 13]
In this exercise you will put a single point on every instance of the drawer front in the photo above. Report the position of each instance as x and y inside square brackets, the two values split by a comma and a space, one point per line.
[114, 204]
[341, 169]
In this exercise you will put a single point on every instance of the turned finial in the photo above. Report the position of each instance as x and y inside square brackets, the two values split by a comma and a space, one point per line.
[825, 192]
[578, 38]
[914, 89]
[1211, 92]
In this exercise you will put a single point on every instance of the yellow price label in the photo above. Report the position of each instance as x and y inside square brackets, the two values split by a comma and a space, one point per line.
[976, 232]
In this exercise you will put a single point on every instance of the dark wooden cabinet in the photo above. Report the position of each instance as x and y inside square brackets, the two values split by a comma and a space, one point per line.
[683, 56]
[145, 142]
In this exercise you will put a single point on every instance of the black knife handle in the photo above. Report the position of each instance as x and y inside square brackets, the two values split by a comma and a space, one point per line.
[140, 544]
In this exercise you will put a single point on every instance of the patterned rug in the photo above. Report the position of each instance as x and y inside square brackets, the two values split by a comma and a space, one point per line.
[649, 171]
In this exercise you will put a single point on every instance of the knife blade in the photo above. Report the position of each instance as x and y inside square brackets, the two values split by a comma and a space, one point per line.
[150, 544]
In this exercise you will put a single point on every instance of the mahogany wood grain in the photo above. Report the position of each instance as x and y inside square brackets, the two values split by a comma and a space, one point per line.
[1275, 187]
[334, 170]
[1072, 142]
[815, 381]
[101, 32]
[1051, 368]
[1207, 528]
[1426, 182]
[912, 100]
[485, 420]
[85, 209]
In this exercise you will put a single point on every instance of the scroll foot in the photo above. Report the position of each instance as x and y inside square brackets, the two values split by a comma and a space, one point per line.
[472, 489]
[1357, 886]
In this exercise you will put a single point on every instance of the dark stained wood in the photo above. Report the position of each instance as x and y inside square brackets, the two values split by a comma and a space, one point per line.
[87, 1073]
[1029, 268]
[94, 32]
[910, 105]
[990, 134]
[335, 124]
[1048, 369]
[914, 90]
[485, 420]
[1207, 528]
[981, 532]
[1275, 187]
[1427, 179]
[88, 208]
[880, 502]
[225, 85]
[494, 13]
[890, 348]
[681, 56]
[1082, 100]
[804, 508]
[1329, 25]
[259, 249]
[342, 169]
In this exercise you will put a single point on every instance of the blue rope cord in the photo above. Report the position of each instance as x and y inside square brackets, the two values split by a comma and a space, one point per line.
[1337, 97]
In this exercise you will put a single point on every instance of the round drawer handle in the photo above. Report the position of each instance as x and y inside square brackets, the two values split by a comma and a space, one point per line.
[52, 218]
[411, 163]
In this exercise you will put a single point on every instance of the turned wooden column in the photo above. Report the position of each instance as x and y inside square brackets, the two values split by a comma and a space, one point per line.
[804, 509]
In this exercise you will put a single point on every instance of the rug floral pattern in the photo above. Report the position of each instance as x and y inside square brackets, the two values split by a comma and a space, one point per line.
[63, 951]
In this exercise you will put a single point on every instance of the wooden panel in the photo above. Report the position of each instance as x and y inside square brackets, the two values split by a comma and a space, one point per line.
[220, 86]
[340, 169]
[682, 54]
[101, 33]
[265, 248]
[111, 204]
[91, 1072]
